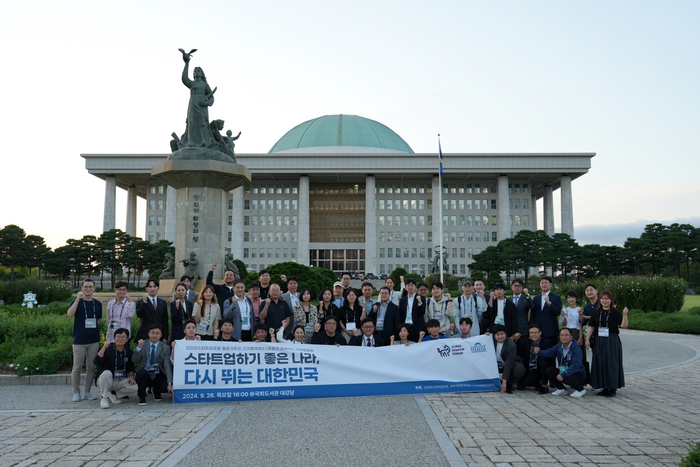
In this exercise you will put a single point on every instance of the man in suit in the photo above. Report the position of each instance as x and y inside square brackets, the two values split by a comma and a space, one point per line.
[225, 291]
[151, 310]
[412, 308]
[291, 297]
[385, 315]
[153, 368]
[509, 362]
[190, 295]
[482, 299]
[547, 310]
[368, 338]
[502, 311]
[535, 365]
[523, 305]
[239, 309]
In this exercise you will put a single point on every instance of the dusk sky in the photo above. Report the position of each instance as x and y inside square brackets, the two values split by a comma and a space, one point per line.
[619, 79]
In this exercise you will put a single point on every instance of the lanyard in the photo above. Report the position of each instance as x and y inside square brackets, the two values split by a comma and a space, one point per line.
[85, 309]
[116, 356]
[121, 311]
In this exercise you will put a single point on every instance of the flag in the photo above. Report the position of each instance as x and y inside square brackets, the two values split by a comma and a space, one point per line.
[440, 149]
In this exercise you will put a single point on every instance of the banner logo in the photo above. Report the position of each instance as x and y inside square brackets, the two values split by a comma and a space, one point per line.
[444, 351]
[478, 347]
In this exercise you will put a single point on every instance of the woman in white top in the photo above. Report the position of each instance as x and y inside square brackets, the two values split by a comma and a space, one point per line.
[395, 296]
[207, 314]
[571, 315]
[298, 335]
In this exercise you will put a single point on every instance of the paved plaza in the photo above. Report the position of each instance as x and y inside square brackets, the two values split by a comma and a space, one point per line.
[648, 423]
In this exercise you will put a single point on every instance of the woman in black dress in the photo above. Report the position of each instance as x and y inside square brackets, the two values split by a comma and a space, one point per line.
[604, 338]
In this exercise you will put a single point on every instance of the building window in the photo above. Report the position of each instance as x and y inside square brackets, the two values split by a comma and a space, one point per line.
[151, 220]
[229, 236]
[494, 236]
[294, 252]
[230, 220]
[294, 236]
[285, 237]
[430, 237]
[381, 252]
[524, 187]
[525, 204]
[477, 220]
[160, 204]
[421, 236]
[254, 253]
[285, 253]
[469, 204]
[159, 220]
[151, 204]
[245, 252]
[430, 203]
[294, 220]
[294, 204]
[493, 220]
[246, 204]
[278, 237]
[462, 269]
[478, 236]
[421, 204]
[510, 203]
[461, 204]
[246, 220]
[153, 190]
[151, 237]
[453, 204]
[246, 238]
[422, 252]
[161, 189]
[485, 220]
[390, 253]
[526, 220]
[461, 236]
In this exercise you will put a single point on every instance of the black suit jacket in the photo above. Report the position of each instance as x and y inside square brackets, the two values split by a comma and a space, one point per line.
[547, 317]
[509, 354]
[357, 340]
[148, 316]
[523, 308]
[417, 313]
[177, 316]
[510, 316]
[524, 344]
[391, 321]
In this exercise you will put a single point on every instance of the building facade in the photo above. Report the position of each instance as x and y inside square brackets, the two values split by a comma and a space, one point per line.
[347, 193]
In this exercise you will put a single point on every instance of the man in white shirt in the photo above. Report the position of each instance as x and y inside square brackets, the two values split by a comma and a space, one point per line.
[468, 306]
[291, 296]
[412, 308]
[239, 309]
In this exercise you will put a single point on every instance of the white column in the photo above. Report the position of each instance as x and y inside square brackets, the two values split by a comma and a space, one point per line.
[110, 203]
[503, 208]
[370, 226]
[548, 210]
[131, 211]
[238, 217]
[567, 208]
[171, 215]
[303, 243]
[436, 216]
[533, 204]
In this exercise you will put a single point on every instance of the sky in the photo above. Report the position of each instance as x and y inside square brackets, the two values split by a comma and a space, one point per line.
[619, 79]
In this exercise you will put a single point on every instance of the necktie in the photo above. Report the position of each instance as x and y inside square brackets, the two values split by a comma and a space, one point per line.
[369, 342]
[153, 300]
[515, 299]
[153, 359]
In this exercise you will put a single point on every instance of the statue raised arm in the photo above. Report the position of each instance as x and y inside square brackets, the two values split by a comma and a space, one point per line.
[197, 132]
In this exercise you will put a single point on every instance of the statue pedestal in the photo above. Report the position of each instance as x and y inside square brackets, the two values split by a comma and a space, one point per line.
[202, 209]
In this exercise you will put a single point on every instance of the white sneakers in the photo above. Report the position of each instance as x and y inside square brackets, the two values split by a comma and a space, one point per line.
[76, 397]
[114, 399]
[559, 392]
[104, 403]
[88, 397]
[579, 393]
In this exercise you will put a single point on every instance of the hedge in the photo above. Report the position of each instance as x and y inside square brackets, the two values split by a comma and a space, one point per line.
[646, 293]
[46, 291]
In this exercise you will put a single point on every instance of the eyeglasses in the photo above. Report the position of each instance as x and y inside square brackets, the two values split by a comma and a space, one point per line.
[120, 336]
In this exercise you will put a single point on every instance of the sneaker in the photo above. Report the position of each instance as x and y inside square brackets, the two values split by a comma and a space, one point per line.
[156, 397]
[579, 393]
[543, 390]
[76, 397]
[142, 401]
[104, 403]
[559, 392]
[89, 397]
[113, 397]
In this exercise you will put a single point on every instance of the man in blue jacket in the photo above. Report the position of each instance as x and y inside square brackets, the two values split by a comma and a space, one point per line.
[571, 370]
[547, 310]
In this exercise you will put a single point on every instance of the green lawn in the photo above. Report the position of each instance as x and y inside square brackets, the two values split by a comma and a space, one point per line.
[690, 302]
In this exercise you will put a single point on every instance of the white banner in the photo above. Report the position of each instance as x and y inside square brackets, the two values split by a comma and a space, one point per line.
[207, 371]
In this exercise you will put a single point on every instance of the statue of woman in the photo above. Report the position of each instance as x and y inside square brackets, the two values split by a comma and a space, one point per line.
[197, 132]
[169, 271]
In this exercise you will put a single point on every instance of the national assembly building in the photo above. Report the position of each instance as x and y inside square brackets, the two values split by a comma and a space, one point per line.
[347, 193]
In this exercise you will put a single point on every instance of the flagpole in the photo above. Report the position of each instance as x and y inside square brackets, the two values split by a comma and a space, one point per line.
[440, 213]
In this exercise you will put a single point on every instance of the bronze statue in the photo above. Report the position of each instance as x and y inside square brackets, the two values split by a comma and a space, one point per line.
[169, 271]
[191, 266]
[231, 266]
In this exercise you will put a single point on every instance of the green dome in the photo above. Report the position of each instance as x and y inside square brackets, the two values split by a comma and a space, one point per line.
[346, 131]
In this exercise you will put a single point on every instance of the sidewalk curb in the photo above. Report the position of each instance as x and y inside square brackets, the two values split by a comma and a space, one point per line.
[37, 380]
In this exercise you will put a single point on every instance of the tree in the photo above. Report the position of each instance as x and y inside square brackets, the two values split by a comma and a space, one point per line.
[110, 251]
[13, 250]
[36, 252]
[396, 274]
[565, 251]
[154, 255]
[487, 260]
[242, 270]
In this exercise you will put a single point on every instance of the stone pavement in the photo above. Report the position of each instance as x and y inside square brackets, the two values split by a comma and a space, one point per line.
[648, 423]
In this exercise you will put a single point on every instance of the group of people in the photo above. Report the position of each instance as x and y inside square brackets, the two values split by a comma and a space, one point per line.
[531, 349]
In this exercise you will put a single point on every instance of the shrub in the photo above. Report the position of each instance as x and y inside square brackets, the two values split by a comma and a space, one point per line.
[665, 294]
[46, 360]
[694, 311]
[682, 323]
[46, 291]
[692, 459]
[315, 279]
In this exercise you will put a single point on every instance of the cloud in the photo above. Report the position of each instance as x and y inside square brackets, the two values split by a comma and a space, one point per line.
[616, 234]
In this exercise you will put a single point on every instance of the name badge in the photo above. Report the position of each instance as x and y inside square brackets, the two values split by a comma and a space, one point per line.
[115, 324]
[244, 321]
[119, 374]
[153, 369]
[533, 364]
[350, 326]
[603, 332]
[438, 316]
[380, 324]
[203, 325]
[90, 323]
[562, 369]
[309, 328]
[500, 321]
